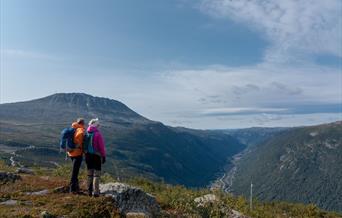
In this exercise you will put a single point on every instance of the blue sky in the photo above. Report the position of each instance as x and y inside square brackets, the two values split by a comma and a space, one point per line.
[199, 64]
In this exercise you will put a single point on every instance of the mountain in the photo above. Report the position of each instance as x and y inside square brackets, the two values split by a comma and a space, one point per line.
[300, 164]
[135, 145]
[254, 135]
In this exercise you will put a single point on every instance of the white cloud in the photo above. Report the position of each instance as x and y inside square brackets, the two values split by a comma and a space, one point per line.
[295, 28]
[244, 110]
[211, 97]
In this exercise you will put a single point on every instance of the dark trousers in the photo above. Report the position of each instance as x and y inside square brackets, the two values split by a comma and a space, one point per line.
[76, 164]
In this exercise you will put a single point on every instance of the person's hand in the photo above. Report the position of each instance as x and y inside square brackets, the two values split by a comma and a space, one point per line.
[103, 160]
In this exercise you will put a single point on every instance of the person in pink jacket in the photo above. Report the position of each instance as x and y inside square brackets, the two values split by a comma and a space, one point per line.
[95, 157]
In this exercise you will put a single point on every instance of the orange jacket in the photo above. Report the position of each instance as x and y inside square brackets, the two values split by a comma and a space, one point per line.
[78, 140]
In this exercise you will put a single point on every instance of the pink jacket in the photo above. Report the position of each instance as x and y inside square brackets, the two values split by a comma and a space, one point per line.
[98, 142]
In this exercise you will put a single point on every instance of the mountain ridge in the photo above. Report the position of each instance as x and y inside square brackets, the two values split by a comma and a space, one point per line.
[136, 145]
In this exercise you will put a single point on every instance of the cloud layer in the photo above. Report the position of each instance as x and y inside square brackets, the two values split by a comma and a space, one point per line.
[303, 27]
[287, 88]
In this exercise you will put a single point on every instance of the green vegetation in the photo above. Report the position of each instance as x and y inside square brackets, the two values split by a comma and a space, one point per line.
[176, 201]
[299, 165]
[181, 199]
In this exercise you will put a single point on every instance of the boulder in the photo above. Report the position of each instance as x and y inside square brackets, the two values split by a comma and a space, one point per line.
[131, 200]
[6, 177]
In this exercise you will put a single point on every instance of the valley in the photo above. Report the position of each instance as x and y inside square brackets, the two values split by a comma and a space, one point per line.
[300, 164]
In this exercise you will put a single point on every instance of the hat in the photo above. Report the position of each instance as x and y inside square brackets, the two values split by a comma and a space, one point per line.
[94, 122]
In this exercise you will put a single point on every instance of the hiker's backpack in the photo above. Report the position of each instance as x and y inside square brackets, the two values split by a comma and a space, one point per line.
[88, 146]
[67, 139]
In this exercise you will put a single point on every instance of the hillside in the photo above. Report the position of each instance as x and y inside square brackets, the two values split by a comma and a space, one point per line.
[135, 145]
[43, 193]
[254, 135]
[299, 165]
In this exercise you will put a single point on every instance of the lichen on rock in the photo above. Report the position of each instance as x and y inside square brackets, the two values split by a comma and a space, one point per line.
[130, 199]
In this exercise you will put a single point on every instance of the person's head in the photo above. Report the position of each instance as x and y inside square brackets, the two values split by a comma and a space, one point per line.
[80, 121]
[94, 122]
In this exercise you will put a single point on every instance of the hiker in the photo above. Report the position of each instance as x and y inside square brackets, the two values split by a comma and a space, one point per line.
[95, 156]
[76, 154]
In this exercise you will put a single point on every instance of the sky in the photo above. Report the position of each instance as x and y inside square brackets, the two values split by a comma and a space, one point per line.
[208, 64]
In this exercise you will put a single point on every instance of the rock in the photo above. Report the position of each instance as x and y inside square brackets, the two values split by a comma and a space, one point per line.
[61, 189]
[211, 198]
[131, 200]
[205, 199]
[45, 177]
[6, 177]
[136, 215]
[24, 170]
[237, 214]
[42, 192]
[27, 203]
[46, 214]
[313, 134]
[9, 203]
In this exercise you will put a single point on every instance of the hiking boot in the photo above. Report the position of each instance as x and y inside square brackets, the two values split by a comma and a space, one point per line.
[77, 193]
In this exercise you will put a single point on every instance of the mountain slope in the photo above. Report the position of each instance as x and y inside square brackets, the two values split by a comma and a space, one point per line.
[301, 165]
[254, 135]
[135, 145]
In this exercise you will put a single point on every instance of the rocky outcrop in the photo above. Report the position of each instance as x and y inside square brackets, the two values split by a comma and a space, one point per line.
[131, 200]
[6, 177]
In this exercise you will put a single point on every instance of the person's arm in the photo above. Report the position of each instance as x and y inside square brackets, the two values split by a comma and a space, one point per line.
[101, 144]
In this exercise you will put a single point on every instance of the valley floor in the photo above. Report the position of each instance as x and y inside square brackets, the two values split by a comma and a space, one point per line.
[225, 182]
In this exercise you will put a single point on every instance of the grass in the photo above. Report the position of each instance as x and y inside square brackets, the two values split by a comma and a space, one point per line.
[176, 201]
[58, 204]
[180, 199]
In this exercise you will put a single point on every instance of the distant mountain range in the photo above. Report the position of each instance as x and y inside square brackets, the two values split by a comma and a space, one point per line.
[135, 145]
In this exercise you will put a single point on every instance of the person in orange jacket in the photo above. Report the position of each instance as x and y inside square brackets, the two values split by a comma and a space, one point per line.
[76, 154]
